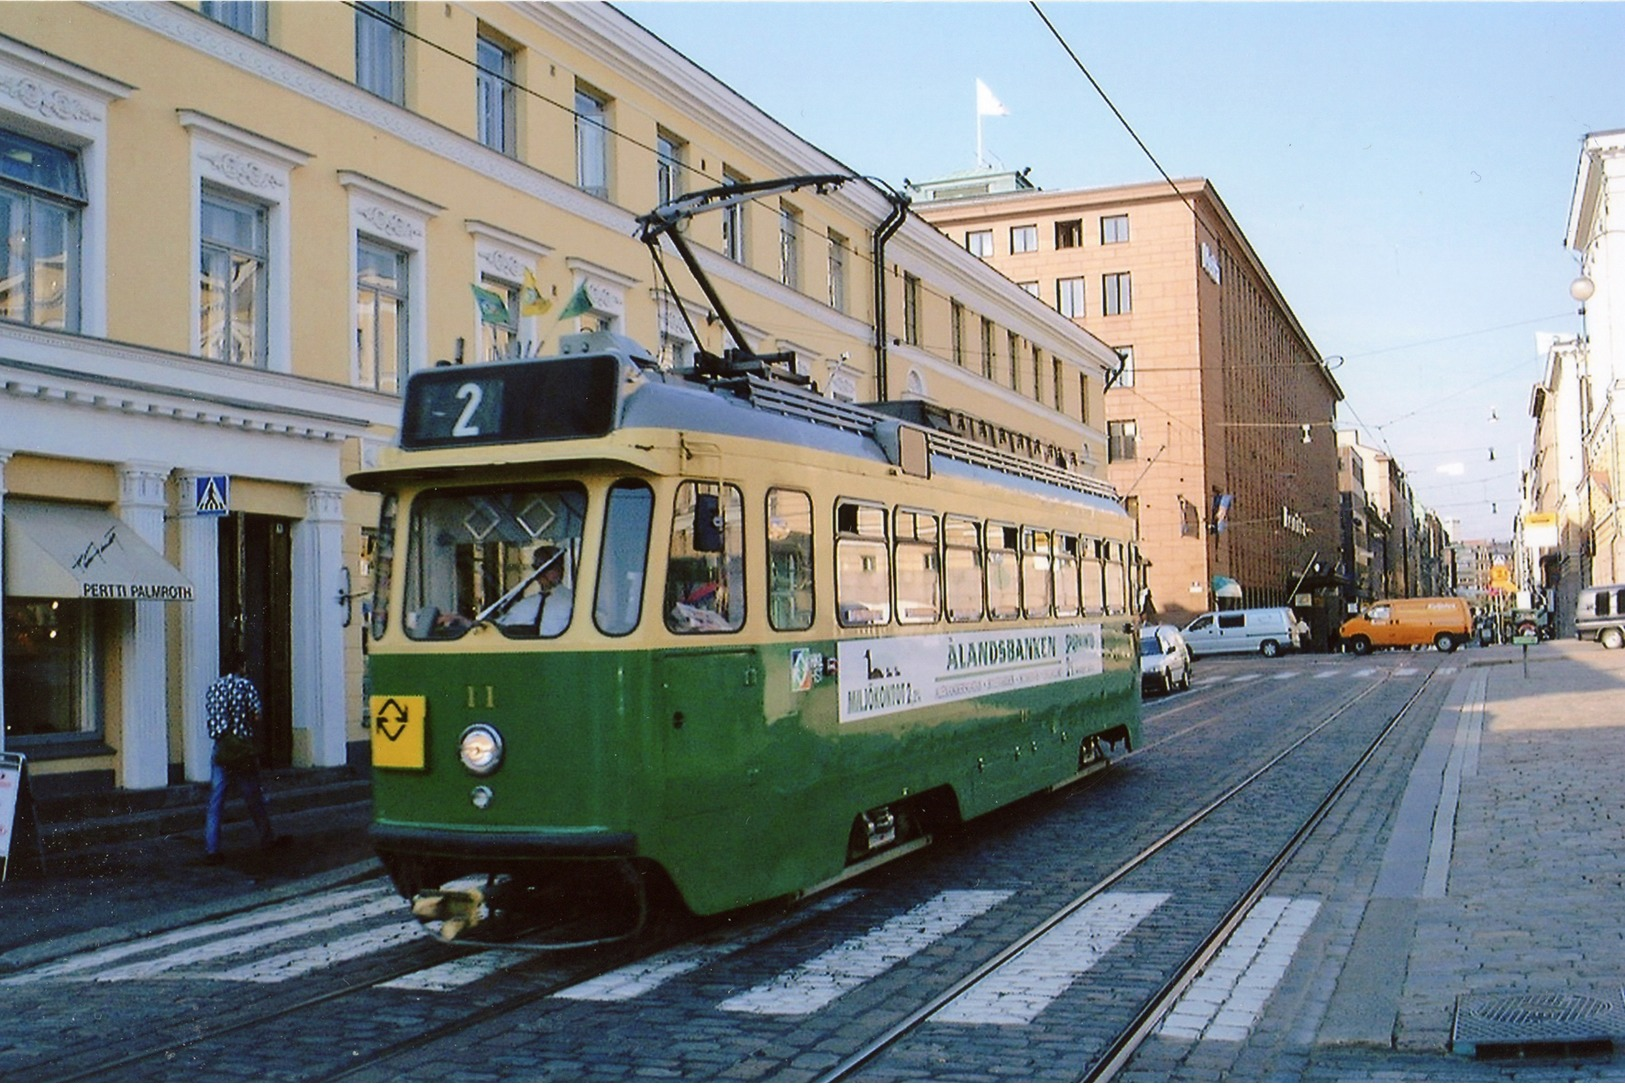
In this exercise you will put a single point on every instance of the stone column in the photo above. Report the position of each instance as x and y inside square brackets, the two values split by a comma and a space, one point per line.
[144, 747]
[5, 456]
[200, 624]
[319, 709]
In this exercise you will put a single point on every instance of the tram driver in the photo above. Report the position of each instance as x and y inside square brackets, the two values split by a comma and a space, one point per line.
[547, 611]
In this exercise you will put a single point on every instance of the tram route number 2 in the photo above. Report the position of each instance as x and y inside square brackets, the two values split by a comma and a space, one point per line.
[398, 739]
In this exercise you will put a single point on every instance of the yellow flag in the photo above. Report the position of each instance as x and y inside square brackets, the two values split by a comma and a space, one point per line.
[531, 302]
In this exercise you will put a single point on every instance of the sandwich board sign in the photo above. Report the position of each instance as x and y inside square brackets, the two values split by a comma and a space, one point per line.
[17, 811]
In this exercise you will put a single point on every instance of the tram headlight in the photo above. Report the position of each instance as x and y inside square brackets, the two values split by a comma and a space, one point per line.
[480, 748]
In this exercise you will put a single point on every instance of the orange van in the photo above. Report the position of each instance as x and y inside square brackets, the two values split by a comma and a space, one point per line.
[1445, 621]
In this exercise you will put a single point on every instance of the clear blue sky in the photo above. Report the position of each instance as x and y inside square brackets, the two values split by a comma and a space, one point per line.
[1403, 170]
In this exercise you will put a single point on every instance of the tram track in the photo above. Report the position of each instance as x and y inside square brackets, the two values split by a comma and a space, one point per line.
[1143, 1019]
[186, 1034]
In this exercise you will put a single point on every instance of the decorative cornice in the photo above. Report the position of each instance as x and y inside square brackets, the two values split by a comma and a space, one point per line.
[243, 172]
[389, 223]
[50, 103]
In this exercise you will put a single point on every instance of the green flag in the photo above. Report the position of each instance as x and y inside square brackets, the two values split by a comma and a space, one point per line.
[493, 307]
[580, 302]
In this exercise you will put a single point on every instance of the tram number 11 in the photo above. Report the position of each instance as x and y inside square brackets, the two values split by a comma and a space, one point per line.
[490, 697]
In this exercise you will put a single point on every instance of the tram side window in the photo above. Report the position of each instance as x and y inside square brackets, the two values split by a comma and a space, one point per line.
[1116, 580]
[919, 584]
[789, 560]
[507, 556]
[1092, 577]
[962, 567]
[705, 575]
[1066, 575]
[862, 566]
[624, 559]
[1035, 573]
[383, 565]
[1003, 572]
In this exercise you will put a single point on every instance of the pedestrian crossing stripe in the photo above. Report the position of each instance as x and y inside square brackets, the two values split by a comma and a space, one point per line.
[1223, 1004]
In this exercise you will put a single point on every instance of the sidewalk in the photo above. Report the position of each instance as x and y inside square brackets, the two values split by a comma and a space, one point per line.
[1526, 935]
[1491, 945]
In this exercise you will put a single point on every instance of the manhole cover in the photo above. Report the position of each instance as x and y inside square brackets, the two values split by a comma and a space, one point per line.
[1536, 1024]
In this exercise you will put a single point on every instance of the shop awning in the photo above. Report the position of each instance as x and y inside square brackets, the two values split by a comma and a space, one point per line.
[82, 552]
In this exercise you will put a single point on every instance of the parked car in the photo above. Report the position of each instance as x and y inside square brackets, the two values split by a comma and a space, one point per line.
[1269, 631]
[1444, 621]
[1165, 659]
[1600, 614]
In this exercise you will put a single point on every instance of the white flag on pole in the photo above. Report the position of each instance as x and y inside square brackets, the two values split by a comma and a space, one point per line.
[987, 103]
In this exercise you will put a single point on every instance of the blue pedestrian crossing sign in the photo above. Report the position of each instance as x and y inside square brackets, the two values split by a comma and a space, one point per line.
[213, 496]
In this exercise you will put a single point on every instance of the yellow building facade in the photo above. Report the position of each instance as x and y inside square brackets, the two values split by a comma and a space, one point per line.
[235, 228]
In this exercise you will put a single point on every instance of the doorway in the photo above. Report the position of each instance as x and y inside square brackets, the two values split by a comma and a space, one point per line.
[256, 616]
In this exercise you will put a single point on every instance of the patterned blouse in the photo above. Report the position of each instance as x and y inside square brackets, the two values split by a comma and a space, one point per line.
[231, 705]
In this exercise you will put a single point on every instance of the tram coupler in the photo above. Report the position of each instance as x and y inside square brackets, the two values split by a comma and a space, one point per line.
[457, 906]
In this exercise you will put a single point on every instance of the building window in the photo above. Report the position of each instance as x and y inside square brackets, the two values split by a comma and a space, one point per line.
[1058, 372]
[1115, 295]
[911, 309]
[42, 196]
[980, 243]
[987, 348]
[1031, 288]
[592, 144]
[50, 679]
[1122, 440]
[1113, 229]
[1069, 296]
[499, 332]
[1013, 342]
[233, 297]
[493, 95]
[789, 246]
[1023, 239]
[243, 16]
[380, 48]
[956, 329]
[837, 271]
[1125, 376]
[669, 154]
[1069, 234]
[382, 314]
[1038, 374]
[1083, 399]
[733, 222]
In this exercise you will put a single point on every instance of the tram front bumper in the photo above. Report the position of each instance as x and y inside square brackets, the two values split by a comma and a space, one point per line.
[523, 845]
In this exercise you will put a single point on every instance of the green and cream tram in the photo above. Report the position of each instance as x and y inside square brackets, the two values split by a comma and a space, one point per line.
[719, 630]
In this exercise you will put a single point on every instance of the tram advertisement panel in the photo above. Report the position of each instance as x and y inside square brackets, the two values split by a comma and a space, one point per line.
[889, 675]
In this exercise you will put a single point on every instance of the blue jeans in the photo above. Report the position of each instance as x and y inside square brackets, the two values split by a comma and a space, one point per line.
[247, 783]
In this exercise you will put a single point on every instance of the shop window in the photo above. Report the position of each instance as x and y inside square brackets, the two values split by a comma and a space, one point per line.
[705, 577]
[50, 670]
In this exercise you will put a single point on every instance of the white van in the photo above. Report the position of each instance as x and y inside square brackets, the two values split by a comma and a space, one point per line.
[1600, 614]
[1250, 630]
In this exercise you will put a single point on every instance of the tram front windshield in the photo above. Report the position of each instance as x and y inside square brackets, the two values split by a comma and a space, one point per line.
[506, 557]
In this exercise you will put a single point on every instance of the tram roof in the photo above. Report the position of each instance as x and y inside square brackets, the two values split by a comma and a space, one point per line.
[752, 406]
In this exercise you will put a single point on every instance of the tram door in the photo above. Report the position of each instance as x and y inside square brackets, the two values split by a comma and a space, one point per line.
[256, 616]
[712, 719]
